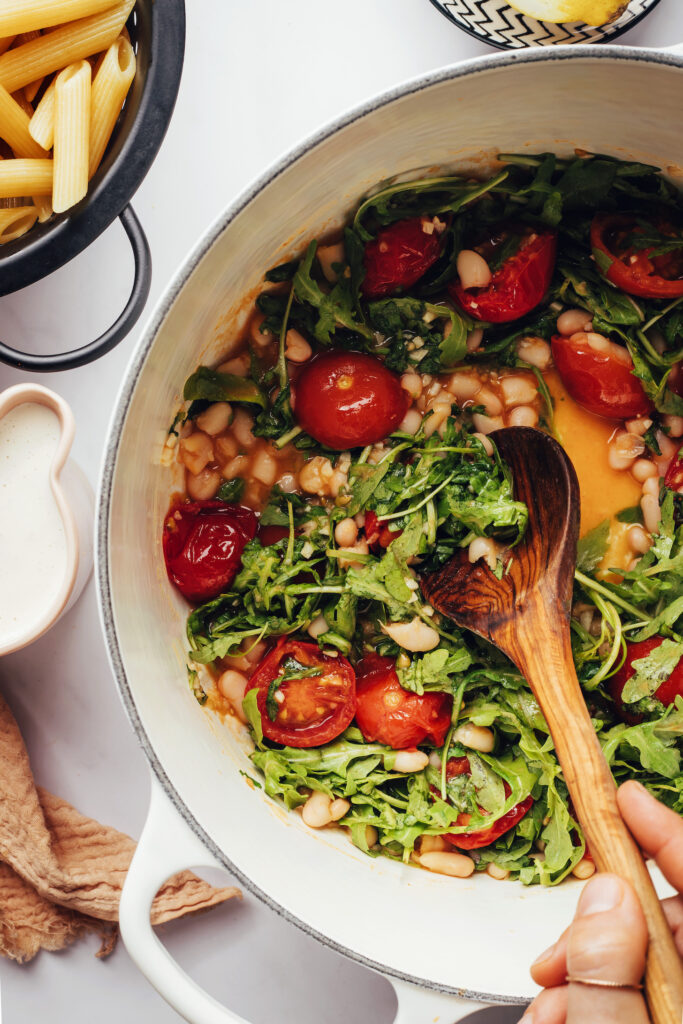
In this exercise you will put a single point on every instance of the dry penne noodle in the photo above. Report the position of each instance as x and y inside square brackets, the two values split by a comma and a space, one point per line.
[21, 100]
[25, 178]
[16, 222]
[109, 90]
[42, 124]
[14, 124]
[6, 43]
[31, 90]
[72, 135]
[25, 15]
[63, 46]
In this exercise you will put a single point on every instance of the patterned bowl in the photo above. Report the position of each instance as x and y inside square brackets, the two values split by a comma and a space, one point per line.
[495, 22]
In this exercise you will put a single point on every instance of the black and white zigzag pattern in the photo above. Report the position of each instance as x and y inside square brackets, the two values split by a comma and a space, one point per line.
[498, 23]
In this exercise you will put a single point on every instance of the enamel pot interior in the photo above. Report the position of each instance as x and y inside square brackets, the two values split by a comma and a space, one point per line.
[476, 935]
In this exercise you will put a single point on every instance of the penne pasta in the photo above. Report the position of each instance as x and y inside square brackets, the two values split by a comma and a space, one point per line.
[62, 46]
[14, 124]
[6, 43]
[24, 15]
[110, 88]
[31, 90]
[25, 178]
[43, 205]
[72, 135]
[42, 125]
[16, 222]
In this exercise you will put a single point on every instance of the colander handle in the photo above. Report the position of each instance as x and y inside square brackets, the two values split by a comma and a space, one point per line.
[167, 846]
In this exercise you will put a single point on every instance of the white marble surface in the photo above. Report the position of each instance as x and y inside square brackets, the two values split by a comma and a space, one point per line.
[258, 78]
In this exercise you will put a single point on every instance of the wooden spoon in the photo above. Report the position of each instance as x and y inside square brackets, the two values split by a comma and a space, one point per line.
[526, 614]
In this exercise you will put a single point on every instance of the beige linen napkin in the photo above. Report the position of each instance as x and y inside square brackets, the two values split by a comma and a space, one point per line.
[61, 874]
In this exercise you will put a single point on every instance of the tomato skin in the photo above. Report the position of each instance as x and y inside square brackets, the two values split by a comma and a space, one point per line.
[639, 275]
[334, 691]
[271, 534]
[398, 257]
[484, 836]
[601, 383]
[667, 692]
[376, 533]
[386, 713]
[203, 543]
[516, 288]
[349, 399]
[674, 474]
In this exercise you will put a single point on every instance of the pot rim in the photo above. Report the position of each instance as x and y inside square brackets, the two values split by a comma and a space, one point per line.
[102, 567]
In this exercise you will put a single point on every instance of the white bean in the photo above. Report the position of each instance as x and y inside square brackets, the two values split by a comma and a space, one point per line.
[297, 349]
[259, 337]
[517, 391]
[584, 869]
[463, 386]
[652, 486]
[639, 426]
[288, 483]
[534, 351]
[573, 320]
[226, 448]
[338, 808]
[490, 400]
[651, 512]
[522, 416]
[440, 410]
[624, 449]
[316, 812]
[473, 270]
[264, 468]
[215, 419]
[317, 627]
[488, 447]
[598, 342]
[235, 468]
[415, 635]
[457, 865]
[345, 533]
[474, 339]
[433, 844]
[483, 547]
[196, 451]
[500, 874]
[674, 425]
[204, 485]
[239, 366]
[487, 424]
[477, 737]
[232, 685]
[410, 761]
[371, 836]
[412, 383]
[329, 254]
[411, 422]
[241, 428]
[643, 470]
[639, 541]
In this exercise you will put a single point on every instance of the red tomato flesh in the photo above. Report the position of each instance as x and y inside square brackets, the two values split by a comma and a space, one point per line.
[484, 836]
[386, 713]
[309, 711]
[377, 534]
[203, 543]
[517, 287]
[600, 378]
[348, 400]
[674, 474]
[637, 271]
[399, 256]
[667, 692]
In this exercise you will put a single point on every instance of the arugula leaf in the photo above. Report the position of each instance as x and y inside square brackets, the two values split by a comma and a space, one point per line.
[231, 490]
[592, 548]
[207, 385]
[335, 309]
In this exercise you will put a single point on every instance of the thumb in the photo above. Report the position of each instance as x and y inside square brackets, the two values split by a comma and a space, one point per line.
[607, 942]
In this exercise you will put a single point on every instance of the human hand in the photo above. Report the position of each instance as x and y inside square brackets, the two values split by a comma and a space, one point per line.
[607, 939]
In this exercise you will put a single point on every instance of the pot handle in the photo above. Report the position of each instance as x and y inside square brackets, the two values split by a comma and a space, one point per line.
[114, 334]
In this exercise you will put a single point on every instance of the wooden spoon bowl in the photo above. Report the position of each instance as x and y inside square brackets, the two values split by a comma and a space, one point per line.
[526, 614]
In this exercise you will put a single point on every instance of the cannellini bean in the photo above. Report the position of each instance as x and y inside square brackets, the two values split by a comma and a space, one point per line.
[239, 366]
[196, 451]
[264, 468]
[359, 548]
[584, 869]
[415, 635]
[517, 391]
[329, 254]
[411, 422]
[371, 836]
[490, 400]
[440, 410]
[674, 425]
[204, 485]
[598, 342]
[652, 486]
[317, 627]
[522, 416]
[483, 547]
[574, 320]
[534, 351]
[667, 447]
[226, 448]
[487, 424]
[237, 467]
[651, 512]
[412, 383]
[643, 470]
[215, 419]
[232, 685]
[474, 339]
[624, 449]
[315, 476]
[639, 426]
[259, 337]
[410, 761]
[241, 428]
[338, 808]
[457, 865]
[433, 844]
[316, 812]
[345, 533]
[288, 483]
[488, 447]
[297, 349]
[477, 737]
[639, 541]
[500, 874]
[463, 386]
[473, 270]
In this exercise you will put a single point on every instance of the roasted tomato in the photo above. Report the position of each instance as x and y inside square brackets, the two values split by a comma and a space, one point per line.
[386, 713]
[517, 286]
[598, 375]
[636, 270]
[483, 836]
[267, 535]
[348, 400]
[667, 692]
[305, 698]
[377, 533]
[674, 474]
[203, 543]
[399, 255]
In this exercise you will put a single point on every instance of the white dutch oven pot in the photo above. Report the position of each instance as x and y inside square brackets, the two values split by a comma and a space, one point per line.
[390, 917]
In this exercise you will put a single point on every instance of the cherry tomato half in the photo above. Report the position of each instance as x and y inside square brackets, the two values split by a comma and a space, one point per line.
[386, 713]
[634, 270]
[484, 836]
[348, 400]
[674, 474]
[517, 287]
[667, 692]
[377, 533]
[308, 711]
[203, 543]
[399, 256]
[600, 378]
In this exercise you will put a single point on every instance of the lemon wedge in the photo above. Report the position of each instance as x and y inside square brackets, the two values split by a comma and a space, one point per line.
[592, 12]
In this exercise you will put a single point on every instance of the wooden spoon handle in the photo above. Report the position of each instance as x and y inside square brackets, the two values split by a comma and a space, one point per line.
[549, 669]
